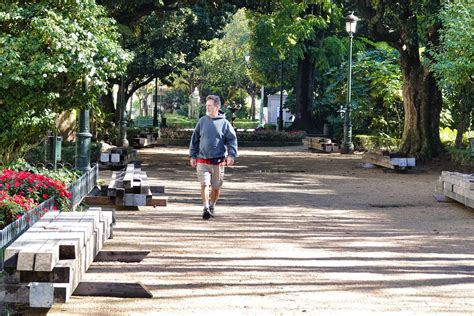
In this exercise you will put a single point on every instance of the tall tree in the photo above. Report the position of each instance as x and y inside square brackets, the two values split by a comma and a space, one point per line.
[409, 26]
[53, 56]
[164, 35]
[295, 30]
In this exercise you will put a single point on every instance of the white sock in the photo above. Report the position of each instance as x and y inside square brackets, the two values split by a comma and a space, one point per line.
[206, 205]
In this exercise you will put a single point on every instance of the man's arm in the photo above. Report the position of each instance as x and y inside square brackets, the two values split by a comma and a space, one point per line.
[194, 145]
[231, 143]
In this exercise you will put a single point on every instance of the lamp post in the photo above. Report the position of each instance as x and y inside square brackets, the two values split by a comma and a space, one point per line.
[83, 144]
[347, 145]
[155, 106]
[123, 109]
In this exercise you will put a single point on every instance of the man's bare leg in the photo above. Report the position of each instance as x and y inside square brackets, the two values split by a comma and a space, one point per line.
[205, 195]
[214, 197]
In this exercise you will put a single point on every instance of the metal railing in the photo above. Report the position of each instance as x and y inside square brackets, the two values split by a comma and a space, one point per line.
[82, 186]
[79, 189]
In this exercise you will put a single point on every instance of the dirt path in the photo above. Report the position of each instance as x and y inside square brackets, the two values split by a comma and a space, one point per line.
[296, 233]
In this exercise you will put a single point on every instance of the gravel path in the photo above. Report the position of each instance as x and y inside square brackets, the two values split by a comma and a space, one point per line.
[297, 233]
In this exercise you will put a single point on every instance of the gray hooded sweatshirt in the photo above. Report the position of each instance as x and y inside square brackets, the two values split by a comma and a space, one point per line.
[213, 138]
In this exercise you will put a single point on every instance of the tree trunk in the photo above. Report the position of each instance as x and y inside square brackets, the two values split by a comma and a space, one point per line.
[422, 104]
[304, 94]
[107, 102]
[252, 105]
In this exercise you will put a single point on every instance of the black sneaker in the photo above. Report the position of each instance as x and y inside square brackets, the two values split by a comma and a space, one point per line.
[211, 211]
[205, 213]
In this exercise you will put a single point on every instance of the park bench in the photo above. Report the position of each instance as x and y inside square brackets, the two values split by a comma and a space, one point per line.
[455, 186]
[47, 262]
[322, 144]
[391, 161]
[129, 187]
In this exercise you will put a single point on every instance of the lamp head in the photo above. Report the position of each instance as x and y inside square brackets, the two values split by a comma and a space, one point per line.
[351, 23]
[247, 58]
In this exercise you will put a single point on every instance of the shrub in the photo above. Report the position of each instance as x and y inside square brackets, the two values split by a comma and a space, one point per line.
[264, 135]
[36, 155]
[373, 142]
[461, 157]
[271, 136]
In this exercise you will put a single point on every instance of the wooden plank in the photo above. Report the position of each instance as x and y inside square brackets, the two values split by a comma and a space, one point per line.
[378, 159]
[57, 275]
[113, 289]
[158, 201]
[98, 200]
[121, 256]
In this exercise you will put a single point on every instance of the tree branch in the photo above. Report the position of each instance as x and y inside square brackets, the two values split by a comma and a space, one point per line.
[374, 16]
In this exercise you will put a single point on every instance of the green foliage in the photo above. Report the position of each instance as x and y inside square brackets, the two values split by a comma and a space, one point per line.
[35, 155]
[222, 66]
[447, 136]
[376, 92]
[462, 157]
[271, 136]
[291, 30]
[53, 56]
[453, 63]
[264, 136]
[454, 58]
[371, 142]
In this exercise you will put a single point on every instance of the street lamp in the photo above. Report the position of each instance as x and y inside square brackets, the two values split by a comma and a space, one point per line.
[347, 145]
[155, 106]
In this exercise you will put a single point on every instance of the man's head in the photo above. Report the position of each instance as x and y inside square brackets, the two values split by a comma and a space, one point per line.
[213, 104]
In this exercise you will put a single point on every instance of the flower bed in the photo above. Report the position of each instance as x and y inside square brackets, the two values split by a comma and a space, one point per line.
[21, 191]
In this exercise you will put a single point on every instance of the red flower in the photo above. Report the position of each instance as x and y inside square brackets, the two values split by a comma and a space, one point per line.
[45, 196]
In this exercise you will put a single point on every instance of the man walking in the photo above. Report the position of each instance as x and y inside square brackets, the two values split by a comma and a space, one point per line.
[213, 146]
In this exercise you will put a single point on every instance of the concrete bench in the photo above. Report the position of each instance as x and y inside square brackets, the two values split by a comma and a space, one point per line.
[455, 186]
[47, 262]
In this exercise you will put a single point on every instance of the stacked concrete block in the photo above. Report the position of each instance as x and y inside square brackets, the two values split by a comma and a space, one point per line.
[47, 262]
[131, 188]
[391, 161]
[321, 144]
[456, 186]
[118, 157]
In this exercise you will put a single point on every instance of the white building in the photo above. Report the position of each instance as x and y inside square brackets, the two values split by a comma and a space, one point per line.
[273, 110]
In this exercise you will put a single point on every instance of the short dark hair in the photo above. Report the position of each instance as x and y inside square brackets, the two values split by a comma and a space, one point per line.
[215, 98]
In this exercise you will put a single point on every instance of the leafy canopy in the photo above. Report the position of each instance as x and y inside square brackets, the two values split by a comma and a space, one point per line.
[53, 56]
